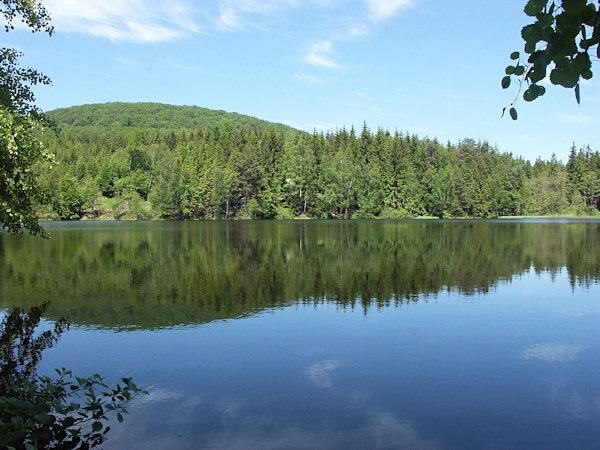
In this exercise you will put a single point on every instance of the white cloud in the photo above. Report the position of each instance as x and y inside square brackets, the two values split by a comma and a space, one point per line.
[124, 20]
[240, 14]
[182, 66]
[228, 17]
[318, 55]
[359, 30]
[578, 119]
[383, 9]
[552, 352]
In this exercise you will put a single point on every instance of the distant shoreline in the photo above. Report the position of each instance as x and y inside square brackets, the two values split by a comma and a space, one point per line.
[312, 219]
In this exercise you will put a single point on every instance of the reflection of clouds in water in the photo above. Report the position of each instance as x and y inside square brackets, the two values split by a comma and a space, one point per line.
[229, 407]
[576, 404]
[286, 438]
[156, 395]
[320, 373]
[359, 398]
[381, 430]
[552, 352]
[169, 419]
[393, 433]
[150, 415]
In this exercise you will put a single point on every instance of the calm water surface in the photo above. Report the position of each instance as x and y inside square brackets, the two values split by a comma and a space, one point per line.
[475, 334]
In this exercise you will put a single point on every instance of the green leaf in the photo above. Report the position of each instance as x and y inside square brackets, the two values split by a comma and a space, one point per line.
[566, 21]
[588, 17]
[530, 47]
[577, 94]
[509, 70]
[570, 80]
[541, 90]
[505, 82]
[581, 63]
[97, 426]
[120, 417]
[532, 33]
[44, 418]
[537, 73]
[513, 113]
[556, 76]
[587, 74]
[514, 56]
[585, 44]
[537, 57]
[519, 70]
[534, 7]
[574, 6]
[545, 20]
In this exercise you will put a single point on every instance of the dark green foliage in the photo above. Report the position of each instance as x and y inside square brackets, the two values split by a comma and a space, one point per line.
[583, 170]
[43, 412]
[229, 171]
[20, 122]
[20, 193]
[154, 116]
[563, 39]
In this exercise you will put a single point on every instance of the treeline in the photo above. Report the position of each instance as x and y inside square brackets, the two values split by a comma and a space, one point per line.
[229, 171]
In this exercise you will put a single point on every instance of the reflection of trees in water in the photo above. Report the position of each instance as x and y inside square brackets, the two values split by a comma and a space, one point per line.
[168, 274]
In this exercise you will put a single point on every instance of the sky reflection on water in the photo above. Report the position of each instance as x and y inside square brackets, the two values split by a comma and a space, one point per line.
[514, 368]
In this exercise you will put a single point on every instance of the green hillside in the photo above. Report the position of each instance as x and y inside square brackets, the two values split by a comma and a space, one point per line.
[154, 116]
[147, 160]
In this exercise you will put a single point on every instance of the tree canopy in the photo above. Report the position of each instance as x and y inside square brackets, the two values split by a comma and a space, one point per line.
[20, 121]
[561, 42]
[232, 170]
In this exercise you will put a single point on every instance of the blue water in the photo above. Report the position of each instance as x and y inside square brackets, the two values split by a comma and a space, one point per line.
[513, 366]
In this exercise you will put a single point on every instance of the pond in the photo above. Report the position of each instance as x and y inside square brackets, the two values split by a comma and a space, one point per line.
[328, 334]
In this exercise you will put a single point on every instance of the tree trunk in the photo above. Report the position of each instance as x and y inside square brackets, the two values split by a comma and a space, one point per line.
[304, 210]
[348, 199]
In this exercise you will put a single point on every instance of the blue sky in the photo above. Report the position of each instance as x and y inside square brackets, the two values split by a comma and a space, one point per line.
[426, 67]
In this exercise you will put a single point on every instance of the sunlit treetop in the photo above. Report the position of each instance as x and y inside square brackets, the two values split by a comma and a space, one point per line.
[561, 43]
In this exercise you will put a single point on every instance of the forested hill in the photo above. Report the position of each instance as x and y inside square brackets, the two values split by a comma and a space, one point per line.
[154, 116]
[149, 160]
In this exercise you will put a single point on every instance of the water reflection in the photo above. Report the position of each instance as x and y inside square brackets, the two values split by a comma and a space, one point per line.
[552, 352]
[149, 275]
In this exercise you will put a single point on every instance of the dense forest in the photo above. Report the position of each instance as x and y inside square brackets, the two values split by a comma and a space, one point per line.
[147, 160]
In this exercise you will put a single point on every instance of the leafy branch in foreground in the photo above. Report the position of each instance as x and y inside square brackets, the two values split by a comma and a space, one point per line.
[563, 39]
[20, 123]
[44, 412]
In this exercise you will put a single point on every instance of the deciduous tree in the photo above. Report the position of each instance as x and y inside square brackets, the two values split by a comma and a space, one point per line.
[20, 121]
[561, 43]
